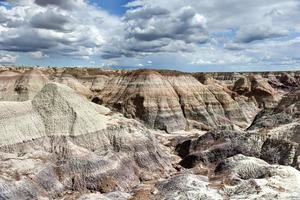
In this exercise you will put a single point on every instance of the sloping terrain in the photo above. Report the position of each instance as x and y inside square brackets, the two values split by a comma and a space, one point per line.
[21, 86]
[166, 100]
[60, 142]
[233, 135]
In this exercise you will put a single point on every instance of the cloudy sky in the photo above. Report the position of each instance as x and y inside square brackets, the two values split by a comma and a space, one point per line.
[189, 35]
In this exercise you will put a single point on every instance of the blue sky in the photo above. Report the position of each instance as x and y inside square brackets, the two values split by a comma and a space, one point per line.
[115, 7]
[187, 35]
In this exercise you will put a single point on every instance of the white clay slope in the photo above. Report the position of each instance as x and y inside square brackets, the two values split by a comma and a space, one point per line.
[54, 111]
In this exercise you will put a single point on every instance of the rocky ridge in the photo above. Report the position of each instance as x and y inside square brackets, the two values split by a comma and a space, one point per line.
[234, 135]
[166, 100]
[64, 143]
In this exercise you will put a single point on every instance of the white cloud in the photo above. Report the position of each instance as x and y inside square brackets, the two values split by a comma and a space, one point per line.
[64, 4]
[53, 28]
[37, 55]
[193, 32]
[253, 33]
[7, 58]
[152, 29]
[214, 56]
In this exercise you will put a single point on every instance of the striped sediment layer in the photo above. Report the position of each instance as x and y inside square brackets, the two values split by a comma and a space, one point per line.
[59, 142]
[161, 99]
[172, 102]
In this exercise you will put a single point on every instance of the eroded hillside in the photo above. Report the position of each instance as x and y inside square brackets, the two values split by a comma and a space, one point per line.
[75, 133]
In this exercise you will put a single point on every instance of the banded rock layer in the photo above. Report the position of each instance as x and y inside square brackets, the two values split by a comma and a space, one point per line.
[171, 102]
[164, 100]
[60, 142]
[258, 88]
[273, 137]
[55, 144]
[21, 86]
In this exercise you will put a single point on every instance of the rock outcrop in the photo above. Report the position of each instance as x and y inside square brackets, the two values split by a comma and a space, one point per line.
[213, 147]
[235, 135]
[237, 177]
[61, 142]
[186, 186]
[258, 87]
[252, 178]
[18, 86]
[282, 125]
[171, 102]
[167, 100]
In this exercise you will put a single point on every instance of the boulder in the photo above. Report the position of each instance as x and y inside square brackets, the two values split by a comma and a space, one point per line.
[186, 186]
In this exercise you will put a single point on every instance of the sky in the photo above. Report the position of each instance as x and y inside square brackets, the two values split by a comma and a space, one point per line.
[186, 35]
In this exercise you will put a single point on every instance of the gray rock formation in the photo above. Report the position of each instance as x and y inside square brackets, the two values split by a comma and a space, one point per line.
[282, 126]
[56, 144]
[213, 147]
[63, 143]
[19, 86]
[252, 178]
[186, 186]
[257, 87]
[171, 101]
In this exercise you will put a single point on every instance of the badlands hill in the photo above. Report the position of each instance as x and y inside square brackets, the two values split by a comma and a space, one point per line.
[166, 100]
[59, 141]
[78, 133]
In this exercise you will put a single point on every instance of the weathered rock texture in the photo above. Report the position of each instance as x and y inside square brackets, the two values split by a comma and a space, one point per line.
[171, 101]
[186, 186]
[252, 178]
[213, 147]
[216, 146]
[258, 87]
[237, 177]
[60, 142]
[167, 100]
[18, 86]
[282, 126]
[56, 144]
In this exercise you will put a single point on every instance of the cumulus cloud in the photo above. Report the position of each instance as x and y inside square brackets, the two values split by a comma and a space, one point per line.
[148, 24]
[197, 32]
[64, 4]
[37, 55]
[52, 21]
[149, 30]
[25, 40]
[48, 26]
[7, 58]
[253, 33]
